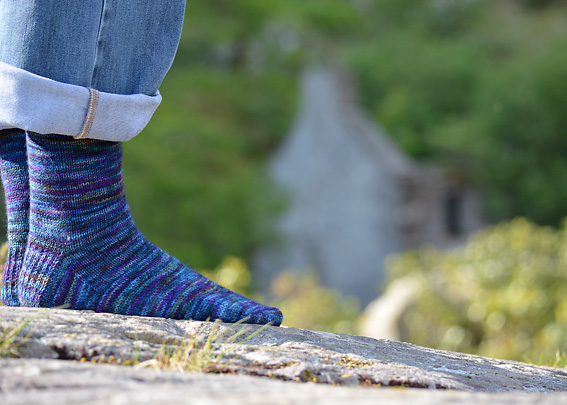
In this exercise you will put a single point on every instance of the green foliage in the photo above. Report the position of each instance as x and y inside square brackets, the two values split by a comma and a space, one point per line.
[485, 101]
[306, 304]
[519, 149]
[540, 3]
[414, 94]
[193, 176]
[477, 86]
[417, 66]
[501, 295]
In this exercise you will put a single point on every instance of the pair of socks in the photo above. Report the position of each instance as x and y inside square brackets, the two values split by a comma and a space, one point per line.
[72, 240]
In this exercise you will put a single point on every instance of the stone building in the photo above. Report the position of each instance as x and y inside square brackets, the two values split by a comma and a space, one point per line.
[354, 196]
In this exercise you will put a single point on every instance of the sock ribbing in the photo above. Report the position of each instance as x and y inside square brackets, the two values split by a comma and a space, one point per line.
[14, 172]
[84, 250]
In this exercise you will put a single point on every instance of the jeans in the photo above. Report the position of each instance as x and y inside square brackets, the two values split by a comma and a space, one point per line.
[68, 64]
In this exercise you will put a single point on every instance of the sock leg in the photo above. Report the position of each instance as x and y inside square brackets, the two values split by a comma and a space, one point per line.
[14, 171]
[85, 251]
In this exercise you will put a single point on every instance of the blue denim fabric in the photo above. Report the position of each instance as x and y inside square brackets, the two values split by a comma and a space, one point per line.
[114, 46]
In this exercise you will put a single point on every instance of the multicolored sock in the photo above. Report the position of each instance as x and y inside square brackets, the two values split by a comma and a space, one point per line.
[14, 170]
[84, 250]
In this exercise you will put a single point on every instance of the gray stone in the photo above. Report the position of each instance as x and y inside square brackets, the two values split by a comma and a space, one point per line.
[354, 196]
[58, 348]
[340, 173]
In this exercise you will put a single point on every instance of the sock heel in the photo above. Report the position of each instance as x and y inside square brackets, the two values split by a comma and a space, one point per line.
[37, 277]
[9, 292]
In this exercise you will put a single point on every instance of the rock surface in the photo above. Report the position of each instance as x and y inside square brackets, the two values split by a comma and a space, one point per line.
[347, 367]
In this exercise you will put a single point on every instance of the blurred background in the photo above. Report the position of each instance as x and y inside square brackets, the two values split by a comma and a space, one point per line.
[391, 168]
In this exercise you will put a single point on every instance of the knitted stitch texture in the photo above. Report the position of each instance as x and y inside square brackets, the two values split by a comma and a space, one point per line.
[84, 250]
[14, 171]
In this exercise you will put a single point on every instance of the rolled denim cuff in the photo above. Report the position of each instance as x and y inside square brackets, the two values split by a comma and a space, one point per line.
[38, 104]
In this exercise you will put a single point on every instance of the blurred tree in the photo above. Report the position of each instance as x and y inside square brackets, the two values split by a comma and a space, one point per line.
[520, 146]
[464, 83]
[502, 295]
[193, 177]
[540, 3]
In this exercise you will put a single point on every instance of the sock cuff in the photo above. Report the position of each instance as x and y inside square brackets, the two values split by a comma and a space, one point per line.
[38, 104]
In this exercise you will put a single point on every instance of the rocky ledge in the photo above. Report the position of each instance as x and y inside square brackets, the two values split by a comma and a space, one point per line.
[78, 356]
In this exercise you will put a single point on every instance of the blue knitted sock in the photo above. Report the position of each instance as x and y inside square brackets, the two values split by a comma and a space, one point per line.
[14, 171]
[84, 250]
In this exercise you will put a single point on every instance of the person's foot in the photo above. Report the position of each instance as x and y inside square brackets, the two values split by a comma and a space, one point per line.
[85, 252]
[14, 171]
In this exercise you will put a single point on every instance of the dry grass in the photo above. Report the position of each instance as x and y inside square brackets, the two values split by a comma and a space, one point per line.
[194, 355]
[9, 341]
[3, 255]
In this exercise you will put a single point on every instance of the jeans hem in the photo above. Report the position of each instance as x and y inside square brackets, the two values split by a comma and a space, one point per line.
[38, 104]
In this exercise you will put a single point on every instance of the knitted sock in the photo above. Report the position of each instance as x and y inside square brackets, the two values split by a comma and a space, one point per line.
[84, 250]
[14, 171]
